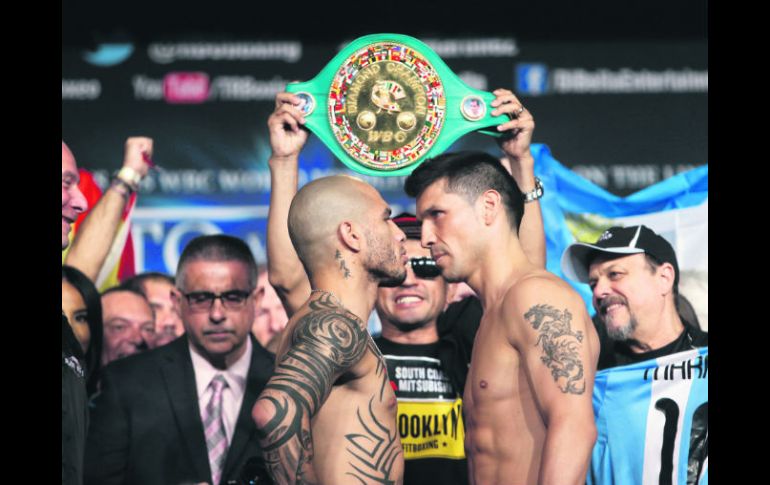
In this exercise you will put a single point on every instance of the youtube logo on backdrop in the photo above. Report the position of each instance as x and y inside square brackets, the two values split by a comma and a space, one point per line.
[186, 87]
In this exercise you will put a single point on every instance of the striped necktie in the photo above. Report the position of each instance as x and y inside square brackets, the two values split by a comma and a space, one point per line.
[214, 427]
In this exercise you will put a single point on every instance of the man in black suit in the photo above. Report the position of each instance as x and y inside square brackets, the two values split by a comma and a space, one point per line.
[181, 413]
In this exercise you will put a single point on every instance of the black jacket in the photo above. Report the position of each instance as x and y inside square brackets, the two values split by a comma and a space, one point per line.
[146, 427]
[74, 406]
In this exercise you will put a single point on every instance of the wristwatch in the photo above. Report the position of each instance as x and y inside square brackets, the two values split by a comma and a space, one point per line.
[534, 194]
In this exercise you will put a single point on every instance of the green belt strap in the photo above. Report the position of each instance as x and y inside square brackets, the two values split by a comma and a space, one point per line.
[386, 102]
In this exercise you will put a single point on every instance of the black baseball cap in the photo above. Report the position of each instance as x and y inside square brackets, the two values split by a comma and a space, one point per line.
[620, 241]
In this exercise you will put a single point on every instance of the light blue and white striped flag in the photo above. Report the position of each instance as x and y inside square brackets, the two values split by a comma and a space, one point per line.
[576, 209]
[652, 422]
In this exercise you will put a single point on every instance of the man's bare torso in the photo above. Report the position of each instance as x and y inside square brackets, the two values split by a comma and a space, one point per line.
[355, 438]
[505, 431]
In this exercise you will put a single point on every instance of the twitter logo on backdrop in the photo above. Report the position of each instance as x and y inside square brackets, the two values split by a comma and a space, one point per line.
[109, 54]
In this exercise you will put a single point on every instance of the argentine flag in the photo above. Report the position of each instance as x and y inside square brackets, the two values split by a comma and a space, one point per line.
[577, 210]
[652, 422]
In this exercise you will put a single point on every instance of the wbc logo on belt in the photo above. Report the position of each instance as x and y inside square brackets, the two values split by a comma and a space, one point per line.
[386, 102]
[386, 105]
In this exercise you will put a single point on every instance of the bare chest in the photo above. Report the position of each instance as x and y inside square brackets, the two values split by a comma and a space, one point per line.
[494, 373]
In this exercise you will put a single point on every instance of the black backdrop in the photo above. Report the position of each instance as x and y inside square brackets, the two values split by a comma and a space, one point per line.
[619, 92]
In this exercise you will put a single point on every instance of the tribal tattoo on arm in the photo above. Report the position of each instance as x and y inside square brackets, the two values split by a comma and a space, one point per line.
[560, 346]
[325, 343]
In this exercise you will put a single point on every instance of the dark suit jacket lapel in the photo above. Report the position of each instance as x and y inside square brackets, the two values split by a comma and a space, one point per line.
[177, 370]
[260, 370]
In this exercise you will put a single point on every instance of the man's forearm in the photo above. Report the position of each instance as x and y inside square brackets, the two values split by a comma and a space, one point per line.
[532, 234]
[288, 450]
[531, 230]
[96, 234]
[285, 271]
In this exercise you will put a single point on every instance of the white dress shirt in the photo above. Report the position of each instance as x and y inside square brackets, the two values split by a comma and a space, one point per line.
[232, 396]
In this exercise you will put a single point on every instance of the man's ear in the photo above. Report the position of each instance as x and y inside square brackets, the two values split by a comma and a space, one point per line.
[176, 297]
[351, 236]
[666, 275]
[258, 293]
[491, 204]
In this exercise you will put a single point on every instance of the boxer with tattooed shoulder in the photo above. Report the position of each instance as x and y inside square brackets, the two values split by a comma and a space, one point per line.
[328, 413]
[527, 400]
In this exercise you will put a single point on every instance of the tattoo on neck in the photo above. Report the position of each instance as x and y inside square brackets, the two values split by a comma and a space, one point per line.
[560, 345]
[343, 266]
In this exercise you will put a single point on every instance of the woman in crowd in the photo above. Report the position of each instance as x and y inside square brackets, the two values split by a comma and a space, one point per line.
[81, 303]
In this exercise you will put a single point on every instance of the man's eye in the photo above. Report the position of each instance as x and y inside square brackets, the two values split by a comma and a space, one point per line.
[234, 297]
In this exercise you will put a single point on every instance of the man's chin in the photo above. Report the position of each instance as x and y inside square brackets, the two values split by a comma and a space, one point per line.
[620, 332]
[391, 281]
[410, 326]
[453, 279]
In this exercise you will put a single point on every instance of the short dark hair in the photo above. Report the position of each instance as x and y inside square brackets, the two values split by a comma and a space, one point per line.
[217, 247]
[119, 288]
[469, 173]
[137, 282]
[93, 302]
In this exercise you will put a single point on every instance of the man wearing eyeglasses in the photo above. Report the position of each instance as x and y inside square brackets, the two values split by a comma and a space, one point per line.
[181, 413]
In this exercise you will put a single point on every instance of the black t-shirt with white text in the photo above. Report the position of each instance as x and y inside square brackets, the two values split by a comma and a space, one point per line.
[430, 420]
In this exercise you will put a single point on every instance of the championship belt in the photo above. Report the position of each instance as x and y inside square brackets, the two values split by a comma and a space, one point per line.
[386, 102]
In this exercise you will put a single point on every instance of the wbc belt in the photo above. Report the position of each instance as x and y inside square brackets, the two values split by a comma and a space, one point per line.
[386, 102]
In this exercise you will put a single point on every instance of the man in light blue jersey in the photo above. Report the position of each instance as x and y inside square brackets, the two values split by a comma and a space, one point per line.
[651, 399]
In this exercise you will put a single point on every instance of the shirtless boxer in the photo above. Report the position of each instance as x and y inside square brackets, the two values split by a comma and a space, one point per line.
[528, 410]
[328, 414]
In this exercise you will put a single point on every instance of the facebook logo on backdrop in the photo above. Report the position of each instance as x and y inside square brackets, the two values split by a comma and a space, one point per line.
[531, 79]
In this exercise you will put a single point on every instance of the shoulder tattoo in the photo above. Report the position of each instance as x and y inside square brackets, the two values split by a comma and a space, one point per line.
[560, 346]
[325, 343]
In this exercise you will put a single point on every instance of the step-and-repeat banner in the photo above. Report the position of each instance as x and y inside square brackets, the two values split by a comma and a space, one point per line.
[622, 115]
